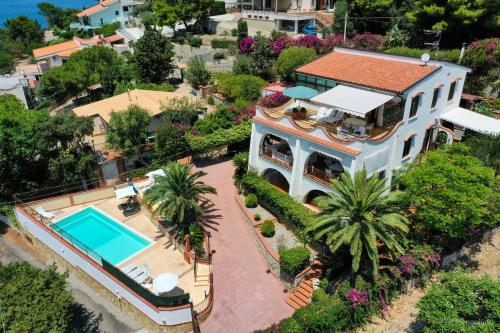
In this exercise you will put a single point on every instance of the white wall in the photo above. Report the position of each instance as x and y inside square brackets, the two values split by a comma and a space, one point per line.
[78, 259]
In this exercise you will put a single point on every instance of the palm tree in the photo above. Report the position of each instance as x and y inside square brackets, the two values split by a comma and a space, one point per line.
[178, 195]
[361, 214]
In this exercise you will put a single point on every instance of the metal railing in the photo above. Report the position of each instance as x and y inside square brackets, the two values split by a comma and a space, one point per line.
[84, 248]
[320, 174]
[204, 307]
[277, 156]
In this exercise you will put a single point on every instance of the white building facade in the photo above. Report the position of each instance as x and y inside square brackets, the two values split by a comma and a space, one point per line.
[357, 122]
[106, 12]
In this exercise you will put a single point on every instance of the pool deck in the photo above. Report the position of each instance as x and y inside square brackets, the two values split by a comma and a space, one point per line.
[160, 257]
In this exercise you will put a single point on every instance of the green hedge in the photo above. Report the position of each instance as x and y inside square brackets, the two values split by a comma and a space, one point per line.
[235, 135]
[280, 204]
[444, 55]
[223, 43]
[294, 260]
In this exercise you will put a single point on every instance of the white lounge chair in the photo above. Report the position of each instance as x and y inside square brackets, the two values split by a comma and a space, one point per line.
[144, 276]
[129, 268]
[337, 117]
[40, 210]
[323, 114]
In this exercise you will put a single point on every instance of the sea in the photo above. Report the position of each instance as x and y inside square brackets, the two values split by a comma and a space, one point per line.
[13, 8]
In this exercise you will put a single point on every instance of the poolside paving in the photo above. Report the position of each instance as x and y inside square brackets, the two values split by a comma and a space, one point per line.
[246, 297]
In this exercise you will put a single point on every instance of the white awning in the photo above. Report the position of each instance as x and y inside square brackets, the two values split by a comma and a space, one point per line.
[352, 100]
[154, 173]
[472, 120]
[125, 192]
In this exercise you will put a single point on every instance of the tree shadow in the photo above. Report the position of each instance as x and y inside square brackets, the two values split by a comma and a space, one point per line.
[210, 217]
[84, 321]
[417, 326]
[201, 163]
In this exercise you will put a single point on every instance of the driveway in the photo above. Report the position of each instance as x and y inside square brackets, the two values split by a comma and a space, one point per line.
[14, 248]
[246, 297]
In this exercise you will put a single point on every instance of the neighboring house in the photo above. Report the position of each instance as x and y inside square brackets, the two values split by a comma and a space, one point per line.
[289, 15]
[55, 55]
[105, 12]
[373, 111]
[18, 86]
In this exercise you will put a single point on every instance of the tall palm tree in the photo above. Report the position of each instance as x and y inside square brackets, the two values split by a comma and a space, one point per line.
[361, 214]
[179, 194]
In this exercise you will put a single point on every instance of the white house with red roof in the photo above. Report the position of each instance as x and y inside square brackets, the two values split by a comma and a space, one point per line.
[373, 111]
[106, 12]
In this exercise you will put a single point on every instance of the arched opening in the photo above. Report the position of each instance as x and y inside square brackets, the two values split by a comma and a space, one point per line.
[277, 179]
[323, 168]
[277, 150]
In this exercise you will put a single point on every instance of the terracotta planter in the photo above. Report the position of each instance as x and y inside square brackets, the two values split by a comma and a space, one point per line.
[299, 115]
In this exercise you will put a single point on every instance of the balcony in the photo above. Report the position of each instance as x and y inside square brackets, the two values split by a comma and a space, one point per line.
[322, 168]
[277, 157]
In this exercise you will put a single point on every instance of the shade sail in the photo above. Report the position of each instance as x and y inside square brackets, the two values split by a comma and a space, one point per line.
[472, 120]
[352, 100]
[300, 92]
[125, 192]
[165, 282]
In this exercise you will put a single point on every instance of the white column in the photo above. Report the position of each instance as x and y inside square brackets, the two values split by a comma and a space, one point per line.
[253, 4]
[380, 116]
[296, 27]
[297, 170]
[276, 6]
[254, 147]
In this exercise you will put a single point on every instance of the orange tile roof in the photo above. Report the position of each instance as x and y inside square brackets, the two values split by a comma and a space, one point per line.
[113, 38]
[385, 74]
[46, 51]
[67, 54]
[296, 132]
[96, 8]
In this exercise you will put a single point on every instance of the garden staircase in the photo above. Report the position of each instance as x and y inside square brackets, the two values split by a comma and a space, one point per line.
[324, 19]
[303, 294]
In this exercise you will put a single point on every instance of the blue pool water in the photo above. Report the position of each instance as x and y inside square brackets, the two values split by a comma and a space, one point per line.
[108, 238]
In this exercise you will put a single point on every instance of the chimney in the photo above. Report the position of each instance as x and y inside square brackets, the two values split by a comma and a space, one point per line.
[462, 52]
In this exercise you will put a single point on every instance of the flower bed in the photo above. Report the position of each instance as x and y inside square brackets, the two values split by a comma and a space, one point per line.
[274, 100]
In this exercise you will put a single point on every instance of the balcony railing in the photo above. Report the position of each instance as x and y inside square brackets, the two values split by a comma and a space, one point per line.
[321, 175]
[278, 157]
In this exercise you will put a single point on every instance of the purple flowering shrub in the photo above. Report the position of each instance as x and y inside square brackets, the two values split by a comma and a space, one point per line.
[246, 45]
[419, 263]
[357, 297]
[483, 57]
[367, 41]
[281, 43]
[274, 100]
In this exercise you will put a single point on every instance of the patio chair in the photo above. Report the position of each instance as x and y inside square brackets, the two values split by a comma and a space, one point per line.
[129, 268]
[144, 277]
[337, 117]
[47, 215]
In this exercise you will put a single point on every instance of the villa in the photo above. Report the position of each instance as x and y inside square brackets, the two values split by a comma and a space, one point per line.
[56, 55]
[370, 110]
[106, 12]
[289, 15]
[132, 260]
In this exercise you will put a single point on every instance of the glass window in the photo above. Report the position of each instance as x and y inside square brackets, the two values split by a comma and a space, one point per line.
[453, 85]
[301, 77]
[311, 79]
[414, 105]
[125, 9]
[381, 174]
[117, 13]
[321, 82]
[435, 97]
[330, 83]
[407, 146]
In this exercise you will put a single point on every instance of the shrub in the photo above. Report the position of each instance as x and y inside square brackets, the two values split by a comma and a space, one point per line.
[242, 65]
[280, 204]
[246, 45]
[179, 40]
[483, 57]
[195, 42]
[241, 104]
[267, 228]
[294, 260]
[240, 86]
[210, 100]
[197, 74]
[107, 29]
[218, 8]
[234, 32]
[327, 316]
[240, 162]
[251, 201]
[167, 87]
[290, 59]
[446, 55]
[220, 119]
[219, 56]
[274, 100]
[223, 43]
[242, 30]
[459, 303]
[234, 136]
[368, 41]
[257, 217]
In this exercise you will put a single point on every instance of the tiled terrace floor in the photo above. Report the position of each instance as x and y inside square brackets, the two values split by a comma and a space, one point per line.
[246, 297]
[161, 257]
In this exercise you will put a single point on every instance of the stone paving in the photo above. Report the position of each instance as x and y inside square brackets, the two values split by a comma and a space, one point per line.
[247, 298]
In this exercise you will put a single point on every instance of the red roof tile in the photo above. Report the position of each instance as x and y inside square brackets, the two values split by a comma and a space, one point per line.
[385, 74]
[327, 143]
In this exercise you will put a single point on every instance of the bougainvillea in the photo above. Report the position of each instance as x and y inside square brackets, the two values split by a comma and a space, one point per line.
[246, 45]
[368, 41]
[280, 44]
[309, 41]
[407, 263]
[274, 100]
[357, 297]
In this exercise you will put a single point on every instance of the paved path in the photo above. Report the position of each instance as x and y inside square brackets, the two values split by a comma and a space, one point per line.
[14, 248]
[246, 297]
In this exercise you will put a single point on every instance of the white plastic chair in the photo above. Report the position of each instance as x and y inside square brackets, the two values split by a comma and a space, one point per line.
[40, 210]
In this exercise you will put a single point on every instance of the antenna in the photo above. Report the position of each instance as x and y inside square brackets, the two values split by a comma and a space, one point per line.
[435, 36]
[425, 58]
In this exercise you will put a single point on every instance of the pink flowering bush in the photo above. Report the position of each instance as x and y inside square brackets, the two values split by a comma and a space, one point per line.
[357, 297]
[367, 41]
[274, 100]
[483, 57]
[308, 41]
[329, 42]
[418, 263]
[246, 45]
[281, 43]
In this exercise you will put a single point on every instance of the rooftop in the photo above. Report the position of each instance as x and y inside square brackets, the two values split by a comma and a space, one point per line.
[46, 51]
[368, 70]
[94, 9]
[147, 99]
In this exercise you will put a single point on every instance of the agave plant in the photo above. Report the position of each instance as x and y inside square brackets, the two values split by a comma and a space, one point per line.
[361, 213]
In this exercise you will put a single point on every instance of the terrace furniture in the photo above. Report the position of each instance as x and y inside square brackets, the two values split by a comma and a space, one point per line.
[165, 282]
[141, 275]
[360, 131]
[337, 117]
[129, 268]
[47, 215]
[130, 208]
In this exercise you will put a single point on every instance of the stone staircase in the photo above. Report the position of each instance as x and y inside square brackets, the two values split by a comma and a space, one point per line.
[325, 19]
[303, 294]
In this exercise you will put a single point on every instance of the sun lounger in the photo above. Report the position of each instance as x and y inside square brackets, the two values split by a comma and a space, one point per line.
[129, 268]
[44, 213]
[144, 276]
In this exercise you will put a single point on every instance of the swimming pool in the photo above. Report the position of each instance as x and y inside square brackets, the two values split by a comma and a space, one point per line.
[105, 236]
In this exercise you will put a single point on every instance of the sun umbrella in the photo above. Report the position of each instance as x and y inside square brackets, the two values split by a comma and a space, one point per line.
[165, 282]
[300, 92]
